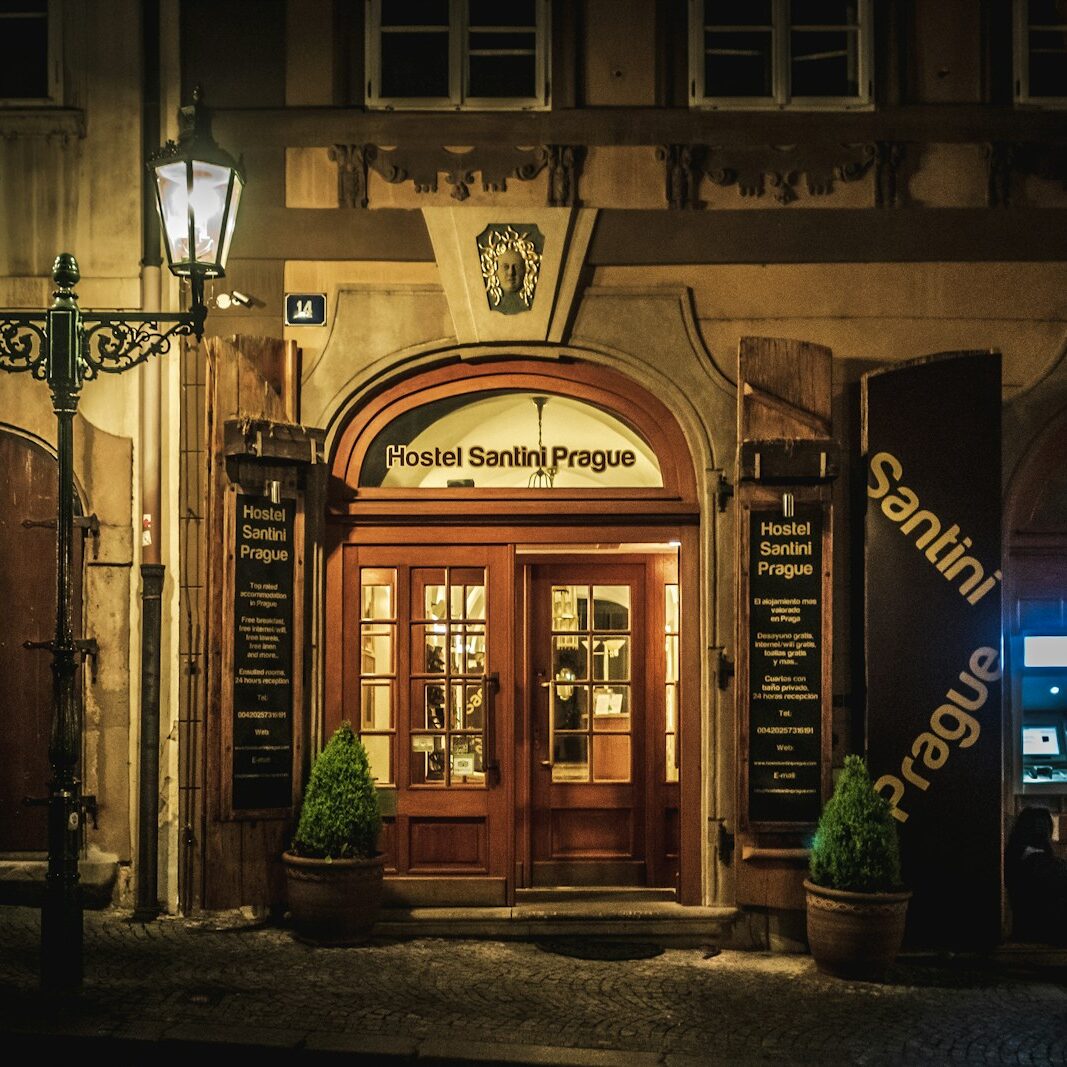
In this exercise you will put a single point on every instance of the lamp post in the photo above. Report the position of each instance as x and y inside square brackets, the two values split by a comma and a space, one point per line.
[198, 189]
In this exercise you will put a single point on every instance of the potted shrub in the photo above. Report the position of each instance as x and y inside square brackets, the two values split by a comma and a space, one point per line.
[856, 906]
[333, 871]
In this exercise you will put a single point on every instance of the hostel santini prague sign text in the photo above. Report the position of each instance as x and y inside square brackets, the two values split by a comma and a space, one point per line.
[785, 666]
[263, 654]
[557, 457]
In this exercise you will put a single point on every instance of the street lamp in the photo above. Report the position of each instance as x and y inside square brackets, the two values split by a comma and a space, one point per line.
[198, 190]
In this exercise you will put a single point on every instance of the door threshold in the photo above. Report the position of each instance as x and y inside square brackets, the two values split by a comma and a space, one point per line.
[593, 893]
[667, 922]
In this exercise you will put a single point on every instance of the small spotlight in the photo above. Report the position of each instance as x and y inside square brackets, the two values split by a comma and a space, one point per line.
[1054, 690]
[223, 301]
[243, 299]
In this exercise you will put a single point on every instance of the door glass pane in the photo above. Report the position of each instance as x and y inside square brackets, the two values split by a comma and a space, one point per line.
[570, 607]
[468, 707]
[430, 649]
[571, 707]
[671, 665]
[611, 659]
[377, 602]
[570, 658]
[376, 706]
[611, 607]
[570, 758]
[434, 601]
[379, 748]
[466, 759]
[611, 758]
[611, 707]
[427, 759]
[377, 649]
[428, 706]
[671, 608]
[475, 598]
[468, 650]
[671, 695]
[672, 758]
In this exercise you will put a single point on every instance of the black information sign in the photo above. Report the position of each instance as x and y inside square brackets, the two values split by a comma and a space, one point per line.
[263, 654]
[933, 592]
[785, 666]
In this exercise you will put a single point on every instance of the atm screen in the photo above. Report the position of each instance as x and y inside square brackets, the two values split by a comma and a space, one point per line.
[1041, 741]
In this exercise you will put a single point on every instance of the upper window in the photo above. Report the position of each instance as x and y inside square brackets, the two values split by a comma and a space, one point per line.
[1041, 52]
[459, 54]
[29, 73]
[801, 54]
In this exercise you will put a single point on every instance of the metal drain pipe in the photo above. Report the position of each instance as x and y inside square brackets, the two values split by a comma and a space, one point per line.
[152, 570]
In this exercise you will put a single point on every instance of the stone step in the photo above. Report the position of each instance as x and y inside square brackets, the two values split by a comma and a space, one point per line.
[666, 922]
[593, 894]
[22, 879]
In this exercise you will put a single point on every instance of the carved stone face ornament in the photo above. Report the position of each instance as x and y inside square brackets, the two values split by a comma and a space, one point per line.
[510, 270]
[510, 261]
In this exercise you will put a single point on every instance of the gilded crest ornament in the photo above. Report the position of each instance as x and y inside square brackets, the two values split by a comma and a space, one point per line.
[510, 257]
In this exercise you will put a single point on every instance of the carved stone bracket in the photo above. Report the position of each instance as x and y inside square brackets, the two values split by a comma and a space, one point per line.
[999, 157]
[423, 164]
[351, 160]
[888, 157]
[564, 169]
[752, 170]
[681, 174]
[1005, 159]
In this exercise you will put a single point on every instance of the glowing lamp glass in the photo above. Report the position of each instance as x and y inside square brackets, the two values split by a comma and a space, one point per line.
[198, 204]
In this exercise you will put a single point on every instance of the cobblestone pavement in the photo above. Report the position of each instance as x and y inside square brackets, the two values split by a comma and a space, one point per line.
[196, 986]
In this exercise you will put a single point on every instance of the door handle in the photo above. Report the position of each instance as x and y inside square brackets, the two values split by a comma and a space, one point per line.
[491, 685]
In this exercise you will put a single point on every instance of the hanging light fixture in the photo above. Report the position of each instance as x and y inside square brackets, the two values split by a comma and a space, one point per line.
[544, 477]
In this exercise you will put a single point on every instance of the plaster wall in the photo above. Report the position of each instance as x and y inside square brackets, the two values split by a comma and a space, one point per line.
[66, 183]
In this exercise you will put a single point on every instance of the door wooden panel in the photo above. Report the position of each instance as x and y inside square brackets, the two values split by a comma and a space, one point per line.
[28, 593]
[425, 650]
[589, 651]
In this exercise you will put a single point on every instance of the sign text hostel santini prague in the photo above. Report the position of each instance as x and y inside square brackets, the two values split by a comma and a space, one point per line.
[560, 457]
[263, 654]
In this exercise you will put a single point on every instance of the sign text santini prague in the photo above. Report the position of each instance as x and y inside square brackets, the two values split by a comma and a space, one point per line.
[597, 460]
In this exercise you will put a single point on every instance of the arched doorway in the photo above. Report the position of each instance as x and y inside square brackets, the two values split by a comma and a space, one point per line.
[28, 593]
[512, 559]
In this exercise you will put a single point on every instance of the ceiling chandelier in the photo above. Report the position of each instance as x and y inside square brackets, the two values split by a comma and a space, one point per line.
[543, 477]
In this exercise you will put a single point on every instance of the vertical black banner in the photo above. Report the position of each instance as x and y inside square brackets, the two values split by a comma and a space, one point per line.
[933, 592]
[263, 654]
[785, 665]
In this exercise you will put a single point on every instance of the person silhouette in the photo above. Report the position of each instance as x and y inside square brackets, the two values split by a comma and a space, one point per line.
[1036, 879]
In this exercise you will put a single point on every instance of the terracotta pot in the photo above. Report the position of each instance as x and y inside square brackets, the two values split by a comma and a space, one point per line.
[855, 935]
[334, 902]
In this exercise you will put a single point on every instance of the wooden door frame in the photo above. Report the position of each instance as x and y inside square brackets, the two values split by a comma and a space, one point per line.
[528, 692]
[612, 529]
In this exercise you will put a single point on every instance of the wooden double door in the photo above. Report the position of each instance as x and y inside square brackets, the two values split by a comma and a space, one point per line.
[514, 713]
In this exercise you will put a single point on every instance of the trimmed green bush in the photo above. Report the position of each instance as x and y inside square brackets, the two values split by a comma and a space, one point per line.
[855, 846]
[341, 817]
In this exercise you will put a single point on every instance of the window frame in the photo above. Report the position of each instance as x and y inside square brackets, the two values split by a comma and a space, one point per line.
[458, 67]
[53, 62]
[780, 98]
[1021, 26]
